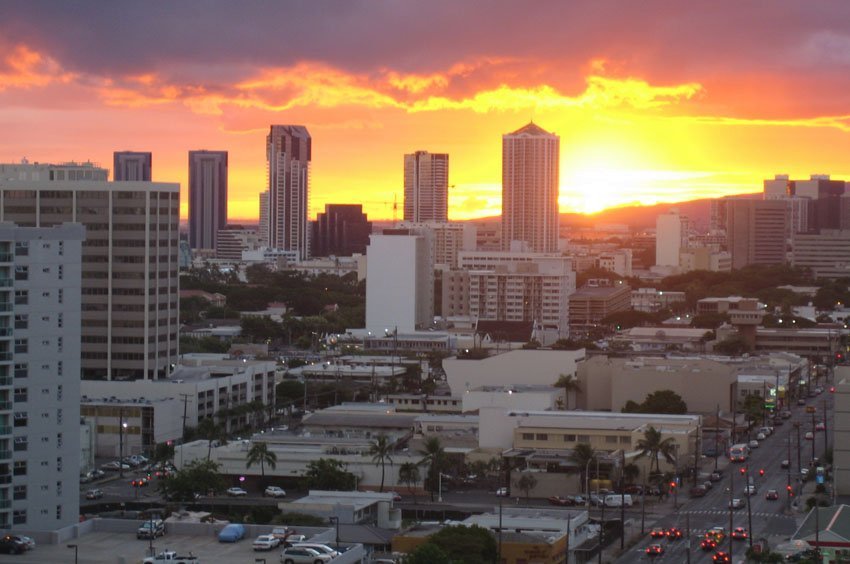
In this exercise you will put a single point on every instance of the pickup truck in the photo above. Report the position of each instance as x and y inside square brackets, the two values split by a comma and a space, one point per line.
[172, 558]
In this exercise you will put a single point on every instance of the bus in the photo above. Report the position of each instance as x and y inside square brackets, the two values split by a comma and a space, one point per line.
[739, 452]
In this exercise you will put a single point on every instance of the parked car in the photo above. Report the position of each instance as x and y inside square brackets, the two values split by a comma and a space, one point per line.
[561, 501]
[715, 476]
[236, 492]
[265, 542]
[698, 491]
[820, 426]
[280, 533]
[292, 540]
[318, 547]
[296, 555]
[761, 437]
[171, 557]
[114, 466]
[502, 492]
[232, 533]
[274, 491]
[151, 529]
[771, 495]
[95, 493]
[11, 545]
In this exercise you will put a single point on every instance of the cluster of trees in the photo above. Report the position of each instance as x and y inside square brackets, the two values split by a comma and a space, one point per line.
[456, 544]
[659, 401]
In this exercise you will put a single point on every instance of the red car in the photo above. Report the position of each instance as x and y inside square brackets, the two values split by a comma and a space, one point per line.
[658, 533]
[674, 534]
[771, 495]
[708, 544]
[740, 533]
[558, 500]
[721, 556]
[654, 550]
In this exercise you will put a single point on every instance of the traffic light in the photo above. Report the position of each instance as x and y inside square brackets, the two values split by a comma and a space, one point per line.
[743, 470]
[761, 472]
[790, 490]
[832, 389]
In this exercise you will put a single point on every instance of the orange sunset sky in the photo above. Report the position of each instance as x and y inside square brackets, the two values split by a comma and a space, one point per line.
[654, 101]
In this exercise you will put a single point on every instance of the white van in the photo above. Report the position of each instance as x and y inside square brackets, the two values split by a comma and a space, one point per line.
[617, 500]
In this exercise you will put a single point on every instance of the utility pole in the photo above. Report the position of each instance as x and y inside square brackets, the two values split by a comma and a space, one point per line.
[749, 507]
[688, 536]
[731, 512]
[814, 438]
[185, 413]
[799, 452]
[788, 477]
[623, 501]
[716, 436]
[569, 534]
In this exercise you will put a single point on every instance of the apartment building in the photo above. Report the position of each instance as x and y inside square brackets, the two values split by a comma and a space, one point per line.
[591, 304]
[39, 376]
[130, 262]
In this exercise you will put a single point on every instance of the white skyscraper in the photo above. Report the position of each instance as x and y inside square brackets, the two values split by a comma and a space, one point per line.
[399, 282]
[669, 233]
[530, 188]
[426, 187]
[40, 274]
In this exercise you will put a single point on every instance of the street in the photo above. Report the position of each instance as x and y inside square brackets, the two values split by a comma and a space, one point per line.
[694, 516]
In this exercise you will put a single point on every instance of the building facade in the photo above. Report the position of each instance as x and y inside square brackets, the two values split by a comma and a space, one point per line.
[289, 153]
[591, 304]
[44, 172]
[130, 282]
[826, 254]
[231, 241]
[426, 186]
[530, 186]
[40, 382]
[755, 231]
[263, 226]
[207, 197]
[131, 165]
[342, 230]
[670, 238]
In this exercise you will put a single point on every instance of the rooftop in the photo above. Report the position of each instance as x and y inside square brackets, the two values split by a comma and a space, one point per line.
[601, 420]
[531, 129]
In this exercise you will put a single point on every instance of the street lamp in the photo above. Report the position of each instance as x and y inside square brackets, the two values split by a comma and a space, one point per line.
[122, 428]
[76, 552]
[335, 521]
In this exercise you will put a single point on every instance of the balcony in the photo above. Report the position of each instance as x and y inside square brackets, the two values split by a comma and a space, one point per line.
[5, 479]
[6, 306]
[7, 257]
[5, 503]
[5, 455]
[5, 406]
[5, 357]
[6, 331]
[5, 430]
[5, 380]
[6, 282]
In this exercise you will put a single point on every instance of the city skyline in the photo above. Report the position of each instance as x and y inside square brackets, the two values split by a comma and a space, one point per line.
[653, 103]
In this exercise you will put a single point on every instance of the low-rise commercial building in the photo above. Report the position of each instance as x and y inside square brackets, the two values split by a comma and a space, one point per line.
[125, 427]
[651, 300]
[589, 305]
[350, 508]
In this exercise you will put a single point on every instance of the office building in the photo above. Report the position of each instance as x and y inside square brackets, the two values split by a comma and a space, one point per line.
[207, 197]
[426, 187]
[399, 282]
[263, 227]
[816, 201]
[591, 304]
[342, 230]
[44, 172]
[755, 230]
[671, 236]
[130, 266]
[289, 152]
[40, 385]
[448, 239]
[530, 188]
[825, 254]
[233, 240]
[132, 166]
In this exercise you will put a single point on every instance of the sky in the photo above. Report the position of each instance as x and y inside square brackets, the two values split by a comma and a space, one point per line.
[654, 101]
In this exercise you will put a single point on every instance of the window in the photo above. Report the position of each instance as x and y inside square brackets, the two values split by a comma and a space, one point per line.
[21, 444]
[59, 391]
[61, 272]
[611, 439]
[22, 297]
[59, 343]
[59, 416]
[22, 248]
[20, 395]
[21, 370]
[569, 438]
[59, 488]
[20, 468]
[60, 295]
[625, 440]
[19, 493]
[59, 463]
[22, 272]
[21, 419]
[542, 437]
[528, 436]
[58, 511]
[21, 345]
[19, 517]
[59, 439]
[22, 321]
[59, 319]
[584, 438]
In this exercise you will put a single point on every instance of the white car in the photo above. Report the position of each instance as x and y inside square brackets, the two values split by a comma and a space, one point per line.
[266, 542]
[750, 490]
[753, 444]
[318, 547]
[303, 555]
[236, 492]
[736, 503]
[761, 437]
[115, 465]
[274, 491]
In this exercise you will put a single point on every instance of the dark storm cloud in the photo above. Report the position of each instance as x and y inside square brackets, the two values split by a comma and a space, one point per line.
[677, 39]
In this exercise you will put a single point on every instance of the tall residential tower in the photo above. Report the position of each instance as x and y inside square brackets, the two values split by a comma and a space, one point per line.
[289, 152]
[207, 197]
[530, 189]
[426, 187]
[131, 165]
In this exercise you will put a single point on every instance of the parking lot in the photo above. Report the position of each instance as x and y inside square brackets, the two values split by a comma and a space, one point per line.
[123, 548]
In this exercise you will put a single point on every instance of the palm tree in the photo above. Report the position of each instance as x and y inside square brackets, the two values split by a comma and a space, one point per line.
[208, 430]
[582, 455]
[408, 474]
[526, 483]
[570, 385]
[381, 450]
[652, 445]
[630, 472]
[259, 452]
[432, 455]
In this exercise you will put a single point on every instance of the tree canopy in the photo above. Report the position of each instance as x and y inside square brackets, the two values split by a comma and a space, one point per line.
[329, 474]
[465, 545]
[659, 401]
[199, 476]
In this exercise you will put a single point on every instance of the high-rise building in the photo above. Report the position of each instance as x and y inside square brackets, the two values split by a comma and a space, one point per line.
[426, 187]
[399, 282]
[530, 189]
[130, 267]
[447, 239]
[670, 238]
[39, 376]
[233, 240]
[207, 197]
[755, 231]
[342, 230]
[826, 254]
[813, 204]
[289, 152]
[131, 165]
[263, 227]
